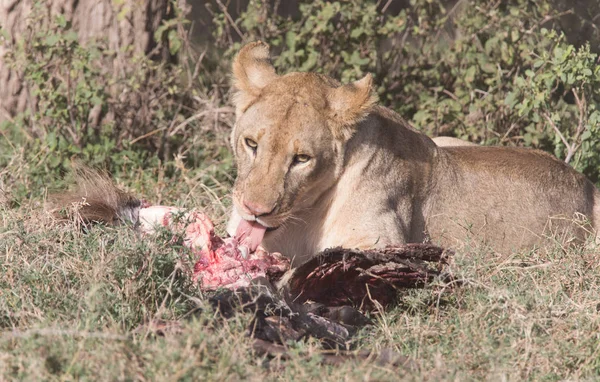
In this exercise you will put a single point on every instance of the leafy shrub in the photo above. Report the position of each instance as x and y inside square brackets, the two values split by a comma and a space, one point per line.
[559, 99]
[491, 72]
[138, 116]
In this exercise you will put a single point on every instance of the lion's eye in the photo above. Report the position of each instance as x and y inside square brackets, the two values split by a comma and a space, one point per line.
[250, 143]
[301, 158]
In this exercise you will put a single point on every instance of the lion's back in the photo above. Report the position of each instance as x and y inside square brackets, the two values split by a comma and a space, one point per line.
[512, 198]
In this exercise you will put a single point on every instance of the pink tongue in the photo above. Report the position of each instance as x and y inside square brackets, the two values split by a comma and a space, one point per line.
[250, 234]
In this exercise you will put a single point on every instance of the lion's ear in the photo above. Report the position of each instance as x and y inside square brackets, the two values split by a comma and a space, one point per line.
[252, 71]
[349, 104]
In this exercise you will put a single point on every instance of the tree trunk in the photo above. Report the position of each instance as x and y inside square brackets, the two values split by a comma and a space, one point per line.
[128, 26]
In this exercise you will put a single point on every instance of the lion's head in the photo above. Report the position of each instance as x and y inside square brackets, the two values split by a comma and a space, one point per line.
[289, 135]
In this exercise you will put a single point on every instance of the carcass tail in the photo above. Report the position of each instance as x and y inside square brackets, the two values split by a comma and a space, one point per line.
[96, 198]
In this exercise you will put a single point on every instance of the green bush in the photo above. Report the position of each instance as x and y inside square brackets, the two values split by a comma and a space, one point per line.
[490, 72]
[145, 114]
[71, 92]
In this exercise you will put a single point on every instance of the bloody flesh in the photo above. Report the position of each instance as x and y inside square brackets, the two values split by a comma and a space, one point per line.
[221, 263]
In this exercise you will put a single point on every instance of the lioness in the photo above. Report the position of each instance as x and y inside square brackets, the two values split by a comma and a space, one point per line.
[321, 165]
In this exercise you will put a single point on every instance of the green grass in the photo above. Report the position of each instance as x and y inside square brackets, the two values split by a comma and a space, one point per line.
[75, 304]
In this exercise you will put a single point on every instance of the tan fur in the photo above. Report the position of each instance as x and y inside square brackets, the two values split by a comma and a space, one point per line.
[95, 198]
[373, 180]
[349, 104]
[252, 71]
[451, 141]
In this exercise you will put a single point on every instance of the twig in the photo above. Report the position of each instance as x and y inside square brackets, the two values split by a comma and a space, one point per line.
[187, 121]
[562, 137]
[545, 20]
[510, 129]
[230, 19]
[8, 140]
[580, 125]
[73, 127]
[572, 148]
[182, 124]
[385, 7]
[448, 17]
[147, 135]
[450, 94]
[197, 67]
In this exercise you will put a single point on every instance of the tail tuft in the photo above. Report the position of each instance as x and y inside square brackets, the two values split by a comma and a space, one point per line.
[96, 199]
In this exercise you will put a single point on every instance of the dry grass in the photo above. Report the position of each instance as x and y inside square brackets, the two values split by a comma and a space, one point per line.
[74, 304]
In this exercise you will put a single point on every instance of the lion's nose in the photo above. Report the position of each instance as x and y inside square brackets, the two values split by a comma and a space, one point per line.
[257, 209]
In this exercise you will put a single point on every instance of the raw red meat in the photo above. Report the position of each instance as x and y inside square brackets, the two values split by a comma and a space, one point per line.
[222, 263]
[334, 277]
